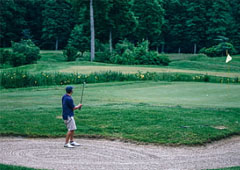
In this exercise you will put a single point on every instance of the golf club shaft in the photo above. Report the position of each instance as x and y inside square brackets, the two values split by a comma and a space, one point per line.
[82, 94]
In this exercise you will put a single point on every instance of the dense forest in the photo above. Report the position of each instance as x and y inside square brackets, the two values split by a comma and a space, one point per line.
[169, 25]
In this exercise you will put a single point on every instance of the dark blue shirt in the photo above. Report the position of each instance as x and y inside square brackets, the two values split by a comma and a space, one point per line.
[67, 106]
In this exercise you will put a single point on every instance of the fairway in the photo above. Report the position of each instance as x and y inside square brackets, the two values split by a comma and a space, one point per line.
[135, 69]
[155, 112]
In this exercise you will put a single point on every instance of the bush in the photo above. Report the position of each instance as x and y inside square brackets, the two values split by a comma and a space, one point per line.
[71, 53]
[127, 53]
[141, 53]
[102, 53]
[123, 53]
[17, 59]
[5, 56]
[27, 49]
[218, 50]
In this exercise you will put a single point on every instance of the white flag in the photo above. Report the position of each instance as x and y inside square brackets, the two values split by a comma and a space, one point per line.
[229, 58]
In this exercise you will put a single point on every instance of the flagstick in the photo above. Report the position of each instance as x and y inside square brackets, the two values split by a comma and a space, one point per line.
[228, 67]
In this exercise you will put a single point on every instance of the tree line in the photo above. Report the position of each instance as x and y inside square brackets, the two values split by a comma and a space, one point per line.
[168, 25]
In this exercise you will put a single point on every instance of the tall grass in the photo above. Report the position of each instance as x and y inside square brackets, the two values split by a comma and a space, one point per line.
[19, 78]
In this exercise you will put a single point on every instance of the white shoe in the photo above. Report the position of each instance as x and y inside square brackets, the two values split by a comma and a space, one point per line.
[74, 144]
[68, 145]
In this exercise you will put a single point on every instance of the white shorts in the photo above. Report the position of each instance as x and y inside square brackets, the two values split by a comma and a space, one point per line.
[70, 123]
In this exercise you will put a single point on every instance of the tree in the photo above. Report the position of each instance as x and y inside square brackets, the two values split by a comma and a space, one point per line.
[219, 20]
[57, 22]
[34, 20]
[173, 34]
[85, 14]
[150, 21]
[78, 39]
[12, 21]
[121, 21]
[234, 30]
[195, 24]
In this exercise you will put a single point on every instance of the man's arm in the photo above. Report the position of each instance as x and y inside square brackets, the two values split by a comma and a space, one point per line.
[77, 107]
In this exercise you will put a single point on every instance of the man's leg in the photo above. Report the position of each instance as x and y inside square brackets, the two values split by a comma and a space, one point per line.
[69, 136]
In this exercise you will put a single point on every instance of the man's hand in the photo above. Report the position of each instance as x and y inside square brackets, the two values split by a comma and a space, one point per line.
[78, 106]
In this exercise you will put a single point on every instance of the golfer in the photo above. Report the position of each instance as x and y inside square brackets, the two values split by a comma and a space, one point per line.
[68, 108]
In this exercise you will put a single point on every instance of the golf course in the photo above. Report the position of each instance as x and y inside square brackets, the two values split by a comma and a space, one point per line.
[119, 85]
[142, 112]
[159, 112]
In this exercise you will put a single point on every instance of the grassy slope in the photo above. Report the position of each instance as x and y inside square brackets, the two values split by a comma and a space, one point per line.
[54, 61]
[155, 112]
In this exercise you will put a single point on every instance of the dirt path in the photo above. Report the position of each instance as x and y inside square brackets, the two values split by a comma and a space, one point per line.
[113, 155]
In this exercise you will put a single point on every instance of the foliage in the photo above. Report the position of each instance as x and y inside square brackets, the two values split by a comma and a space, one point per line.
[18, 78]
[71, 53]
[102, 53]
[78, 39]
[24, 52]
[168, 25]
[57, 23]
[123, 53]
[218, 50]
[5, 56]
[127, 53]
[150, 21]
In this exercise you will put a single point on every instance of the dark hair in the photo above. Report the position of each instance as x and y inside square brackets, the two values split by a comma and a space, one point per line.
[69, 89]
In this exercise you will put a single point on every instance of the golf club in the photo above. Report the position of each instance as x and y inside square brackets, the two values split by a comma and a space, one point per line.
[82, 94]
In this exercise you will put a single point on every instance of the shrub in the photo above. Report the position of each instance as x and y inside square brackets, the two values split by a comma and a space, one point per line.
[17, 59]
[102, 53]
[211, 52]
[71, 53]
[127, 53]
[141, 52]
[122, 46]
[218, 50]
[123, 53]
[5, 56]
[27, 49]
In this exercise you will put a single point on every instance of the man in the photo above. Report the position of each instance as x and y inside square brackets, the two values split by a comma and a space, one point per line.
[68, 108]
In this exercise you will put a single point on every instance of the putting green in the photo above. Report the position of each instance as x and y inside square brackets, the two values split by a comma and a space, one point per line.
[167, 94]
[187, 94]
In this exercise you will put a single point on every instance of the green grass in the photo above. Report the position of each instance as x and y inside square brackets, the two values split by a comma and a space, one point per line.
[11, 167]
[52, 61]
[151, 112]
